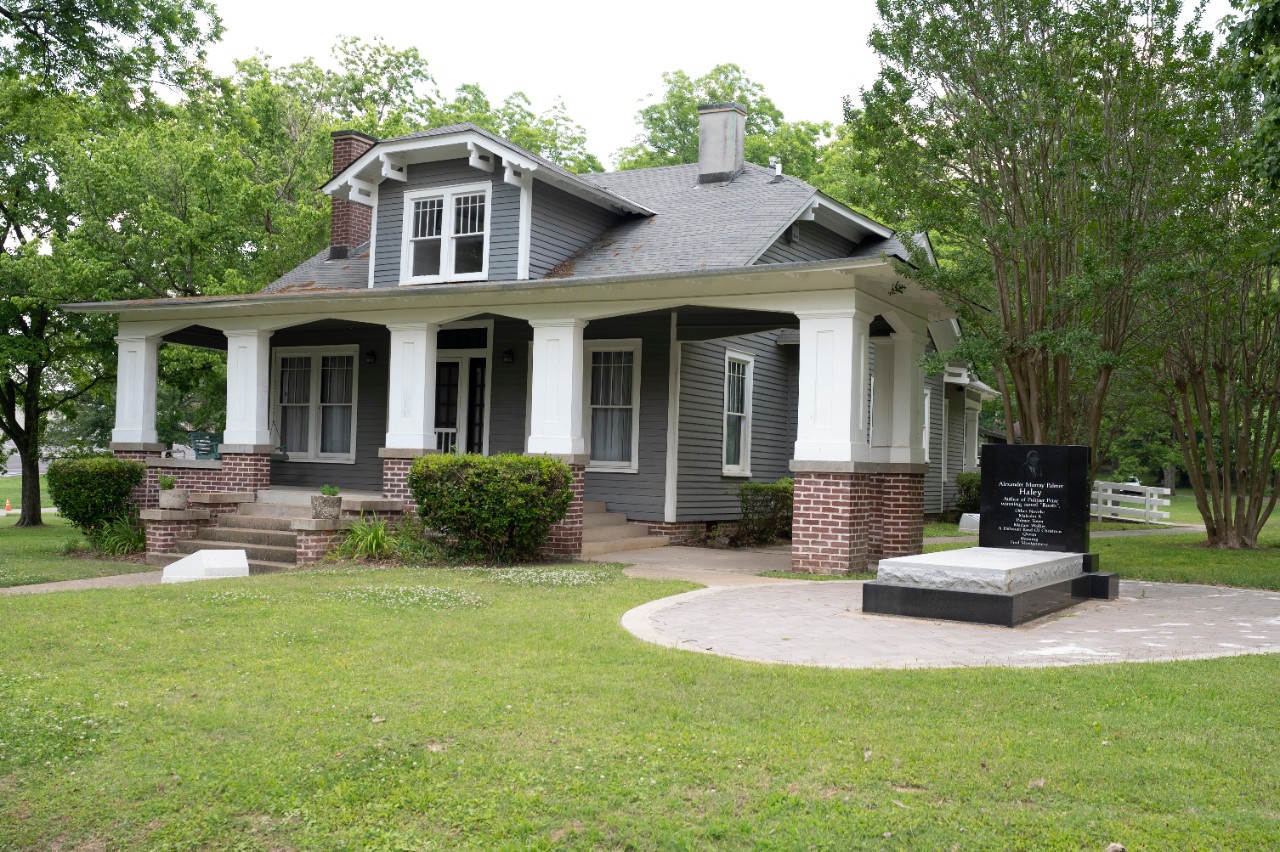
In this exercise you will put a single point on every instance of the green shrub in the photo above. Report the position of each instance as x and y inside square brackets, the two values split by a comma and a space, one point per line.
[411, 545]
[968, 492]
[496, 508]
[166, 482]
[366, 540]
[119, 537]
[329, 490]
[90, 492]
[766, 511]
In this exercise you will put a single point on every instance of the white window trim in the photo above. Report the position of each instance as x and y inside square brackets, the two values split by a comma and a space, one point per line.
[744, 468]
[633, 345]
[448, 193]
[313, 439]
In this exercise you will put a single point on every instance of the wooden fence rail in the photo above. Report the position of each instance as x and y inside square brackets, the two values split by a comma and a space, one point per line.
[1130, 502]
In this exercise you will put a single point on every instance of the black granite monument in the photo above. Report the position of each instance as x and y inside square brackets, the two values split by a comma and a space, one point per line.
[1034, 498]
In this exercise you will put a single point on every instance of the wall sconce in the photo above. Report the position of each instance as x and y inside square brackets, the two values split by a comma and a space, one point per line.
[371, 357]
[509, 357]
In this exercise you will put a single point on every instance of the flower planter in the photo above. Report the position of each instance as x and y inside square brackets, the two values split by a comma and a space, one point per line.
[174, 498]
[326, 508]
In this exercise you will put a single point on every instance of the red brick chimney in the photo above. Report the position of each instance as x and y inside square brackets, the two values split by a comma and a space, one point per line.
[349, 223]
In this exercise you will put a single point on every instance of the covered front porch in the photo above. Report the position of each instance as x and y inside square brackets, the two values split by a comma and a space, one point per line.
[662, 402]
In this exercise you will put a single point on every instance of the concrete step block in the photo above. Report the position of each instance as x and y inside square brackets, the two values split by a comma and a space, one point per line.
[590, 506]
[256, 566]
[614, 532]
[277, 538]
[259, 552]
[591, 550]
[252, 522]
[603, 519]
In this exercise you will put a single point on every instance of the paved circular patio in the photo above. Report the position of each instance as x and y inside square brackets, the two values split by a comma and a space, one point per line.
[822, 624]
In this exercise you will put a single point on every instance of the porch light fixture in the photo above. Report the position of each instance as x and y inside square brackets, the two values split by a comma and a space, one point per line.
[509, 357]
[371, 357]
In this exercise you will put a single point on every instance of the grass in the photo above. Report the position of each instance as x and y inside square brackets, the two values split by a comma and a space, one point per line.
[462, 710]
[36, 555]
[11, 489]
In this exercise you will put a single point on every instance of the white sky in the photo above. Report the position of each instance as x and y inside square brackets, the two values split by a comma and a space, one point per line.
[604, 59]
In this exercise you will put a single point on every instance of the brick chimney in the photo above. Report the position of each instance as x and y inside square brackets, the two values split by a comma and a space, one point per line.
[722, 128]
[349, 223]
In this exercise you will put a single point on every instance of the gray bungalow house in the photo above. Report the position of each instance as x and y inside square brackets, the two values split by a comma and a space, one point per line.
[668, 332]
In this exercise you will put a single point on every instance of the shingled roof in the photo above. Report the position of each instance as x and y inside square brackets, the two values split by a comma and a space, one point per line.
[694, 227]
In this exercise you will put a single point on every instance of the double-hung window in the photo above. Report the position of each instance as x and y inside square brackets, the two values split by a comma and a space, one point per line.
[738, 370]
[613, 399]
[446, 234]
[314, 395]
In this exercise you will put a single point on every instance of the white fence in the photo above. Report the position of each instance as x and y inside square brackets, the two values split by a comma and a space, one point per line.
[1130, 502]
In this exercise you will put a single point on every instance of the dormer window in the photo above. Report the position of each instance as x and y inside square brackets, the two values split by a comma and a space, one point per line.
[446, 234]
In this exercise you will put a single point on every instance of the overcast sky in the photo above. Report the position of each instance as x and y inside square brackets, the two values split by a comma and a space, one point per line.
[603, 59]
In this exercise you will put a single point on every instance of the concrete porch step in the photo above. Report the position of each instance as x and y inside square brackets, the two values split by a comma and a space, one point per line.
[613, 532]
[243, 535]
[592, 506]
[274, 510]
[259, 552]
[592, 520]
[592, 549]
[252, 522]
[256, 566]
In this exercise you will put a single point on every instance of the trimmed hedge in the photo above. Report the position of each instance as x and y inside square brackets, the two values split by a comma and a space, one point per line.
[493, 508]
[766, 511]
[93, 492]
[968, 492]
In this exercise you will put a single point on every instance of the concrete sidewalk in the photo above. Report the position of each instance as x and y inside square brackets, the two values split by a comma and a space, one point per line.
[115, 581]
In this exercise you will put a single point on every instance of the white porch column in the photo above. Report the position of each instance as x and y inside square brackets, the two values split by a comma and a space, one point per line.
[136, 360]
[555, 422]
[411, 389]
[248, 389]
[908, 399]
[971, 410]
[832, 419]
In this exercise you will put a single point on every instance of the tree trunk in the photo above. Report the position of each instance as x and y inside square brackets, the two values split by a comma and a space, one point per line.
[30, 516]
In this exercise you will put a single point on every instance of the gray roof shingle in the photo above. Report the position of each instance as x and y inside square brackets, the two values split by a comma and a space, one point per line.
[321, 273]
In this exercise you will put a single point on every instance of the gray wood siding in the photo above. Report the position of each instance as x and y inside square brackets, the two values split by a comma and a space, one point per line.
[504, 221]
[371, 407]
[815, 243]
[510, 386]
[562, 226]
[640, 495]
[955, 443]
[705, 494]
[934, 476]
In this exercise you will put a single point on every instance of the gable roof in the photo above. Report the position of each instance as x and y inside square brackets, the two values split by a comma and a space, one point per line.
[454, 140]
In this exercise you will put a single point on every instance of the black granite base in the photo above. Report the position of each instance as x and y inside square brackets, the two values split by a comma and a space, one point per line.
[1007, 610]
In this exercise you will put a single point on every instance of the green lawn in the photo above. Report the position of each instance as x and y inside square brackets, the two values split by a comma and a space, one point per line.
[11, 488]
[365, 710]
[35, 555]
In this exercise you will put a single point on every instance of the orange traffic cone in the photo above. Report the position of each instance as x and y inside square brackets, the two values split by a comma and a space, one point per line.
[6, 505]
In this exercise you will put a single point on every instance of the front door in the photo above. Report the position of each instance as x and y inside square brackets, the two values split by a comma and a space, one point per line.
[461, 385]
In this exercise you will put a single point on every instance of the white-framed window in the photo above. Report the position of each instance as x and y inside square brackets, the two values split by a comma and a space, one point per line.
[314, 401]
[446, 234]
[738, 370]
[612, 397]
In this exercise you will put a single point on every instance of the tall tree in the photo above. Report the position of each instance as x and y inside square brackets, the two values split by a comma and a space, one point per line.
[64, 69]
[1256, 38]
[1039, 139]
[670, 125]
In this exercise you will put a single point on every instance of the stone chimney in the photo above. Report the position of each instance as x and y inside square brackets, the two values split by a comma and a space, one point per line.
[721, 131]
[349, 223]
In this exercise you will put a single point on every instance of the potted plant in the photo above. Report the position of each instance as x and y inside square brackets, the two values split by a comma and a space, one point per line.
[327, 505]
[170, 496]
